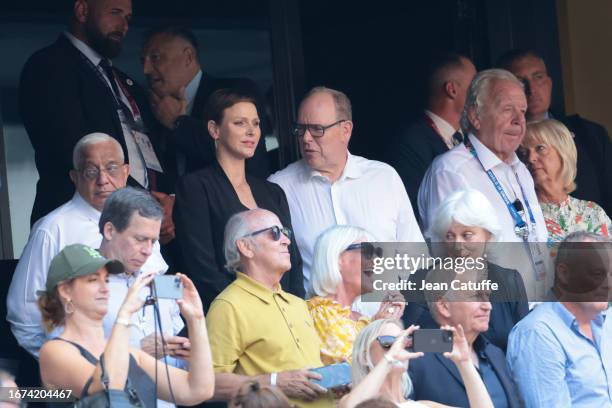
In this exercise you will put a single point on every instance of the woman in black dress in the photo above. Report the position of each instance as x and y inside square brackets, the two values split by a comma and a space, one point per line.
[207, 198]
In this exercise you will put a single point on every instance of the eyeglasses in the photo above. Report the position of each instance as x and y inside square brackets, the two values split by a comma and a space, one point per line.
[386, 341]
[93, 172]
[315, 130]
[368, 250]
[276, 232]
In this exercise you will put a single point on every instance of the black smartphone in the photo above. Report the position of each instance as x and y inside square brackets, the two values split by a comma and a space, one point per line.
[432, 341]
[334, 375]
[168, 287]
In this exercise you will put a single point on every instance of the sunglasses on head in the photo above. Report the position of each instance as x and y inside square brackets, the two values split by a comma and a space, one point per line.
[367, 249]
[276, 232]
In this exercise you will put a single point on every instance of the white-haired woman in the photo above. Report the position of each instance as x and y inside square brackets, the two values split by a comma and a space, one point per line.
[380, 366]
[337, 280]
[549, 152]
[464, 224]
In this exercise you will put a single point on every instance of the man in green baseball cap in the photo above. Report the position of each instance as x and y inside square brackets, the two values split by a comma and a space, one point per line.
[78, 260]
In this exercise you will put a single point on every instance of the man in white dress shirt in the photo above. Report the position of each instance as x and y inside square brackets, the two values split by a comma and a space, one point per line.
[494, 120]
[130, 227]
[99, 170]
[329, 186]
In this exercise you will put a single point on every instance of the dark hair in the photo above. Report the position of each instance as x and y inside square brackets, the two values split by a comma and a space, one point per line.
[506, 60]
[225, 98]
[173, 31]
[438, 67]
[378, 402]
[253, 395]
[123, 203]
[51, 309]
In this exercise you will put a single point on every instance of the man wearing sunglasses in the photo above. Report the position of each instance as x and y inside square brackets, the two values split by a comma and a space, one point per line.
[330, 186]
[257, 331]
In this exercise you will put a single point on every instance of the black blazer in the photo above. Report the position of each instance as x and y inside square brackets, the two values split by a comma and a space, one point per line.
[594, 176]
[436, 378]
[205, 200]
[412, 152]
[190, 137]
[509, 305]
[61, 99]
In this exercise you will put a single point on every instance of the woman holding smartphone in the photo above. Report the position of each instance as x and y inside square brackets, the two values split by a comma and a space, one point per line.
[76, 297]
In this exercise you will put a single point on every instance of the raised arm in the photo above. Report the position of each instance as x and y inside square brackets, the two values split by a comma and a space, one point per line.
[477, 393]
[196, 385]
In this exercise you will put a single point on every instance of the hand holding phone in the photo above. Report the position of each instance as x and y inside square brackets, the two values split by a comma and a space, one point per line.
[334, 375]
[432, 341]
[167, 287]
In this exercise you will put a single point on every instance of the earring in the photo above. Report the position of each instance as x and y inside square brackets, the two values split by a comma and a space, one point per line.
[69, 307]
[216, 143]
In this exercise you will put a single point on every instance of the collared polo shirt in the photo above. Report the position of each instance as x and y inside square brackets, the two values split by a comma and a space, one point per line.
[254, 330]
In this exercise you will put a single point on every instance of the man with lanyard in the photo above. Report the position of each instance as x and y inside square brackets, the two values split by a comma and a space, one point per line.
[437, 130]
[494, 120]
[70, 89]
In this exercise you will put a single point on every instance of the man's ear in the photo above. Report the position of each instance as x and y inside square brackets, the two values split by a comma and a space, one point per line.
[126, 174]
[473, 118]
[443, 309]
[562, 275]
[190, 56]
[73, 176]
[347, 130]
[450, 89]
[81, 11]
[109, 231]
[245, 247]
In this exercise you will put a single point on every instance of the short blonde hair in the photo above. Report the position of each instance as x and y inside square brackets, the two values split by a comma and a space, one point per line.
[554, 134]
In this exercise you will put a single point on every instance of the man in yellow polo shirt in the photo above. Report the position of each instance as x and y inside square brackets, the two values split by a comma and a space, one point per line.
[257, 331]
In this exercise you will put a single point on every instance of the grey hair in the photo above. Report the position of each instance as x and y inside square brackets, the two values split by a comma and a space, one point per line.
[478, 94]
[236, 228]
[325, 272]
[123, 203]
[341, 102]
[362, 361]
[89, 140]
[469, 207]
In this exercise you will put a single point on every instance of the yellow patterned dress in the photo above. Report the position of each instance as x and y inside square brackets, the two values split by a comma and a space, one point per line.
[335, 328]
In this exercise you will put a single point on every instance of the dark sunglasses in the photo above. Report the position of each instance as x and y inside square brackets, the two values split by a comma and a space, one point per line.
[276, 232]
[368, 250]
[386, 341]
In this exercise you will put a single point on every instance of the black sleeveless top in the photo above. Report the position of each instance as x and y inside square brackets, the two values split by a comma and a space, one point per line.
[139, 379]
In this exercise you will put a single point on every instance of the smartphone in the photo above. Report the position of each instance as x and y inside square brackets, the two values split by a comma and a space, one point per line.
[168, 287]
[432, 341]
[334, 375]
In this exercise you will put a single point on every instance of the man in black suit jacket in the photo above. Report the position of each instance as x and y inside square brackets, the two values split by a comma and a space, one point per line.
[411, 153]
[65, 93]
[436, 378]
[594, 148]
[179, 94]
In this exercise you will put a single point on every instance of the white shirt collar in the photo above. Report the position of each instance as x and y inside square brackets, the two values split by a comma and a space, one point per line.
[89, 52]
[486, 156]
[445, 129]
[351, 169]
[191, 90]
[84, 206]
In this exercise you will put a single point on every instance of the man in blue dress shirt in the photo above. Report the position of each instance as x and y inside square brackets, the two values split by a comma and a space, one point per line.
[560, 355]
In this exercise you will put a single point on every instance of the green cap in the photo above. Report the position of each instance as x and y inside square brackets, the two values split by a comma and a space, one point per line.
[78, 260]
